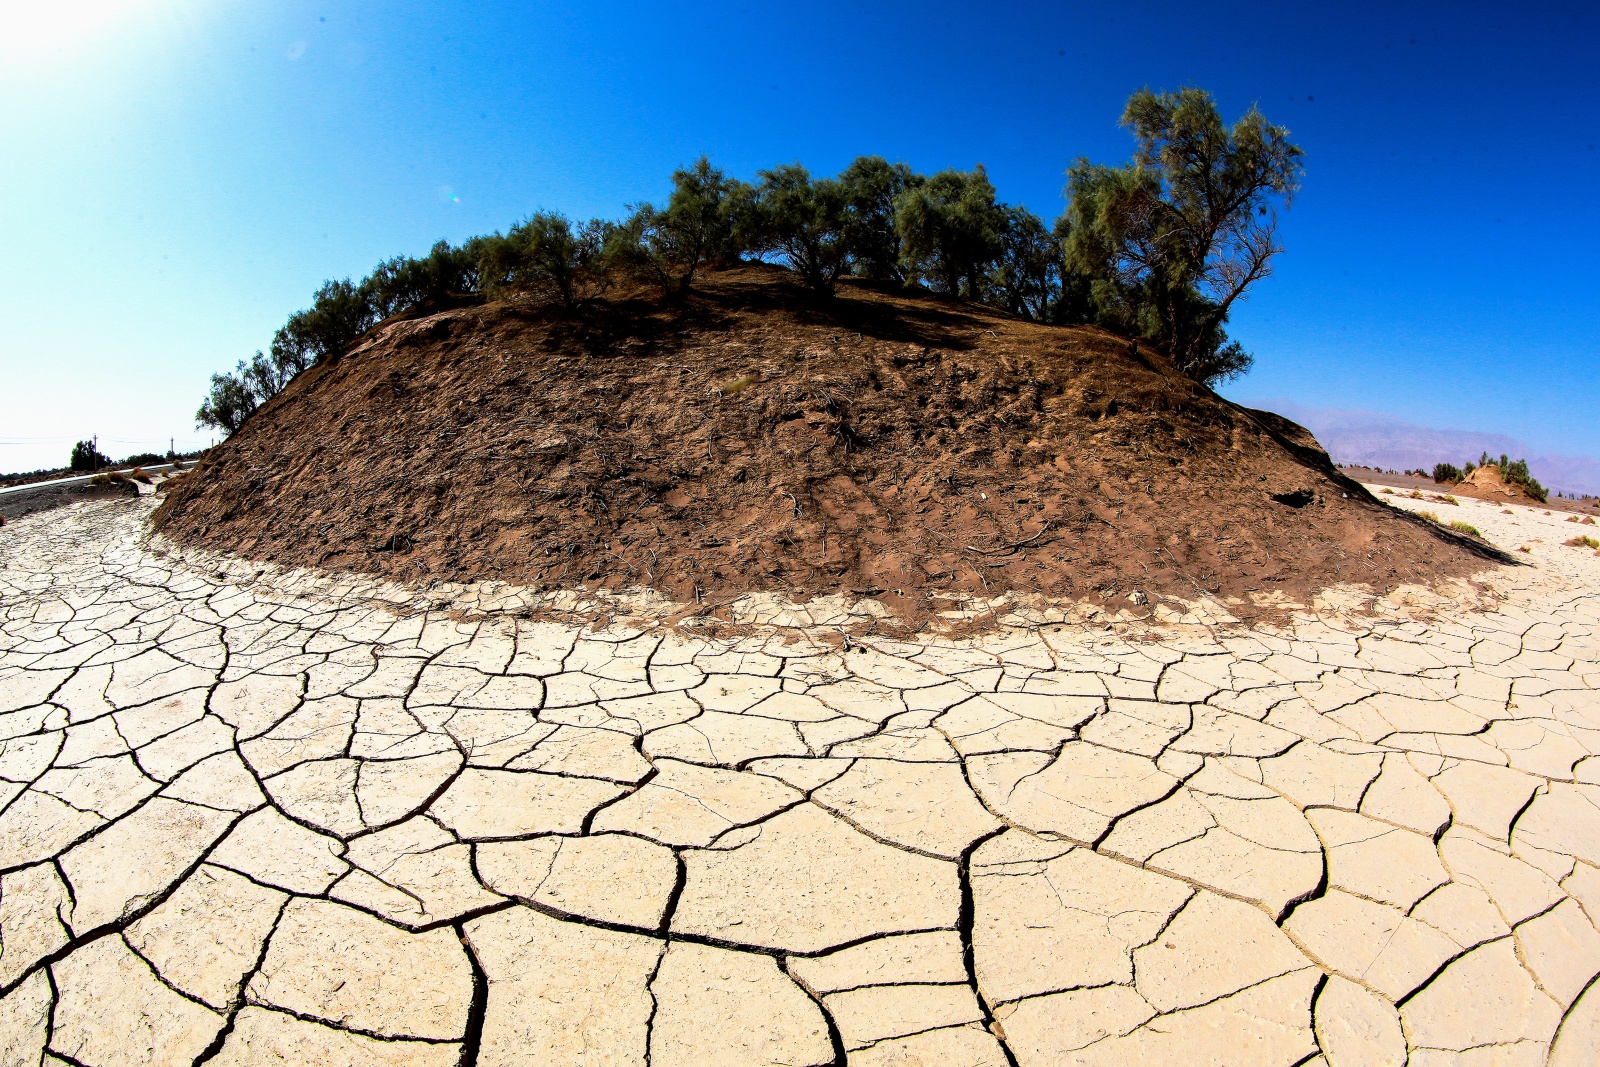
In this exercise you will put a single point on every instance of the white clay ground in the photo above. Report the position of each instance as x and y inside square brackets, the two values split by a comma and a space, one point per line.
[272, 819]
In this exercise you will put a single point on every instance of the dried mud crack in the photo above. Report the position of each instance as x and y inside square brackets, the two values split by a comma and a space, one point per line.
[251, 816]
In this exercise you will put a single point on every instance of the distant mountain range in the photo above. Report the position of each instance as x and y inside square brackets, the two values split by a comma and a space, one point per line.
[1354, 437]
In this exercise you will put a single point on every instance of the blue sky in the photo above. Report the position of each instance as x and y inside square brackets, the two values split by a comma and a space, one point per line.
[180, 175]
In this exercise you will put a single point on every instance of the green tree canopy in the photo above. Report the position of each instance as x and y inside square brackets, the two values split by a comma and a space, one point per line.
[805, 219]
[1175, 238]
[404, 282]
[949, 229]
[547, 255]
[1027, 272]
[709, 218]
[1160, 248]
[86, 457]
[229, 402]
[872, 186]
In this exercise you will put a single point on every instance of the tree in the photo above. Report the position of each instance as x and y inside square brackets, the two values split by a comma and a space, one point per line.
[1177, 237]
[339, 313]
[949, 228]
[805, 220]
[871, 187]
[1072, 303]
[546, 254]
[404, 282]
[265, 377]
[1026, 275]
[229, 403]
[86, 457]
[709, 219]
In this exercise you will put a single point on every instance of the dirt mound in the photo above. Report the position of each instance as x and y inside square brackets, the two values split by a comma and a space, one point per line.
[1486, 483]
[885, 443]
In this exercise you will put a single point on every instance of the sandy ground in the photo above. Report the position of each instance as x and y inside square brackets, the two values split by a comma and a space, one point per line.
[254, 817]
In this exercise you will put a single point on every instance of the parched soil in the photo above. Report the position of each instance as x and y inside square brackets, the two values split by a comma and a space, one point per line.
[882, 443]
[28, 501]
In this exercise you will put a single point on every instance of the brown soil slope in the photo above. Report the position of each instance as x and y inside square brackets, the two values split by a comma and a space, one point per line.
[884, 443]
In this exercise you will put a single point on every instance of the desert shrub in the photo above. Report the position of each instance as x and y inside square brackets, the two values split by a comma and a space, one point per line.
[547, 255]
[1447, 472]
[86, 457]
[1446, 498]
[140, 459]
[340, 312]
[1588, 520]
[806, 220]
[1582, 542]
[1431, 516]
[1466, 528]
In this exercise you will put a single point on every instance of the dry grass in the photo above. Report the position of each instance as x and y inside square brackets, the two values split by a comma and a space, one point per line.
[1581, 542]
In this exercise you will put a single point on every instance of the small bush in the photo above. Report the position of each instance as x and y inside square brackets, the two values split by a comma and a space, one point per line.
[1466, 528]
[1525, 548]
[1446, 498]
[1416, 494]
[1389, 491]
[1429, 515]
[1588, 520]
[1572, 518]
[1582, 542]
[138, 475]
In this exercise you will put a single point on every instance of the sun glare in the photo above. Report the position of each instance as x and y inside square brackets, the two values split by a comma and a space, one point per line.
[37, 28]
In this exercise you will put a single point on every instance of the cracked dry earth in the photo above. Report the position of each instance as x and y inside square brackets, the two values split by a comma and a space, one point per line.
[262, 821]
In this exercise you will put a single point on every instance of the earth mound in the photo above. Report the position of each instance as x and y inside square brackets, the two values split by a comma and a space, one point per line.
[1487, 483]
[884, 443]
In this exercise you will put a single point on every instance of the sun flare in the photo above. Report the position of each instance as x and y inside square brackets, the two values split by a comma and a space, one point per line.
[36, 28]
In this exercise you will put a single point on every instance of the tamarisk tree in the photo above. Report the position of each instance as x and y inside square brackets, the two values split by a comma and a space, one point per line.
[1174, 239]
